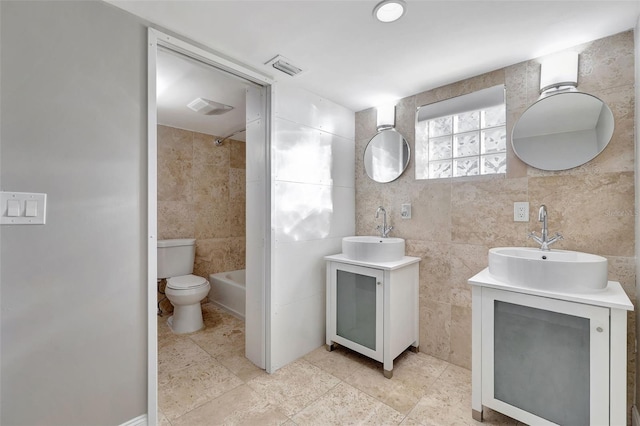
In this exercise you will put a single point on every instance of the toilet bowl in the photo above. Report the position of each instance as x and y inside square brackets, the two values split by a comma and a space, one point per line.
[184, 290]
[185, 293]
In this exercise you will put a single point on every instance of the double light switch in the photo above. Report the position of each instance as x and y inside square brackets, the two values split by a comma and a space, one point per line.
[23, 208]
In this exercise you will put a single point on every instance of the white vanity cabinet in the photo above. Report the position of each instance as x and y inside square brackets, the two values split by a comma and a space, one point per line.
[372, 308]
[546, 357]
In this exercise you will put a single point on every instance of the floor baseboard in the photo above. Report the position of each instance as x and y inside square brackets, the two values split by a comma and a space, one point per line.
[138, 421]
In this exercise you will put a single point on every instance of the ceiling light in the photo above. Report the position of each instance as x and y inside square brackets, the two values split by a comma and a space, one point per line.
[207, 107]
[389, 10]
[284, 65]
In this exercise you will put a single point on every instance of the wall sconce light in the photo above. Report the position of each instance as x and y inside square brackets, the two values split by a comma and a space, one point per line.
[386, 117]
[559, 71]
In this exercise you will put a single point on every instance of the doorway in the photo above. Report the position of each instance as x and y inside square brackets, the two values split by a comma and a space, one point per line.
[177, 72]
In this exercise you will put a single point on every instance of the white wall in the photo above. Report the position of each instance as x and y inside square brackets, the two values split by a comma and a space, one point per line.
[313, 207]
[73, 309]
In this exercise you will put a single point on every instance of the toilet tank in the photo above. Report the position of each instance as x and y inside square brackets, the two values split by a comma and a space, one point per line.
[175, 257]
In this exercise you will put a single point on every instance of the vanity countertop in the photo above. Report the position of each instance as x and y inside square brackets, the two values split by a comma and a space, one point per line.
[613, 296]
[390, 266]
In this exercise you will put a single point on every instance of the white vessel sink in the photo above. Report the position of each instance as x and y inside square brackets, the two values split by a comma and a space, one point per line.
[556, 270]
[373, 249]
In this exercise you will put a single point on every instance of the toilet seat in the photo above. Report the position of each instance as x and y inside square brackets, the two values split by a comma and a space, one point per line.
[186, 282]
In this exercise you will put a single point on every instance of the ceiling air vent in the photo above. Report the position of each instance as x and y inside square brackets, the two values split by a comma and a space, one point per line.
[284, 65]
[207, 107]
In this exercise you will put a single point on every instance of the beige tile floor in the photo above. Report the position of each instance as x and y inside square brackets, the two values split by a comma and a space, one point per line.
[204, 379]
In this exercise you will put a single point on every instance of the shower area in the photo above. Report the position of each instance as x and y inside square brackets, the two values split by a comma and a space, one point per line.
[202, 171]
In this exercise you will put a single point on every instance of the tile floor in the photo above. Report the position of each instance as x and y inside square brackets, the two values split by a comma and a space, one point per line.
[204, 379]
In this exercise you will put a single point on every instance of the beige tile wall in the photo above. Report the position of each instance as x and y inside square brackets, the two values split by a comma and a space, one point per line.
[455, 221]
[201, 195]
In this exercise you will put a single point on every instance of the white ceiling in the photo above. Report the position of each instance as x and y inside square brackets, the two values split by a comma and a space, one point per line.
[353, 60]
[181, 80]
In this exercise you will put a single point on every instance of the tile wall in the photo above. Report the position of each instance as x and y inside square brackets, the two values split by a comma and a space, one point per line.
[313, 208]
[455, 221]
[201, 195]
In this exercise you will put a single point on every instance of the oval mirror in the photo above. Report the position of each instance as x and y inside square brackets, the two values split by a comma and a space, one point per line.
[562, 131]
[386, 156]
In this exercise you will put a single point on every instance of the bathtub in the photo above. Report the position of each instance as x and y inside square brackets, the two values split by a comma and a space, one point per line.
[228, 291]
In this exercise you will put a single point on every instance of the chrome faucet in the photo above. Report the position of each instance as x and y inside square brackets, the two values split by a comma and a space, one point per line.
[544, 239]
[384, 230]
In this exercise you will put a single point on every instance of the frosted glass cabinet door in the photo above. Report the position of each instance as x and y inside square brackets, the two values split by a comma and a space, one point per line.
[356, 309]
[547, 358]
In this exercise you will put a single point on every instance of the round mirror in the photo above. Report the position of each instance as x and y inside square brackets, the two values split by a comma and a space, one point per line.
[386, 156]
[562, 131]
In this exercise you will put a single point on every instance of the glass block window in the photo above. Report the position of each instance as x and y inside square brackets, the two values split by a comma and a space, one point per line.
[465, 143]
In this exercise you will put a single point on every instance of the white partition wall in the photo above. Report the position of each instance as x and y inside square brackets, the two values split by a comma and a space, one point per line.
[256, 155]
[313, 207]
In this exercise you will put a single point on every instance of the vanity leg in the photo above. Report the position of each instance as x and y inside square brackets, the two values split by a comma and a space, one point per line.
[387, 368]
[330, 347]
[414, 349]
[477, 415]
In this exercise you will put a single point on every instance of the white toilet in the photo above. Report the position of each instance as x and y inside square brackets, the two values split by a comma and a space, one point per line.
[184, 290]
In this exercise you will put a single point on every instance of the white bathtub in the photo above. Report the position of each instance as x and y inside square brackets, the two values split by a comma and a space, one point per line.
[228, 291]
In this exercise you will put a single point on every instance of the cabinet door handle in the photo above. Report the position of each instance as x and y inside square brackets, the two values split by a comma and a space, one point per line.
[599, 329]
[379, 283]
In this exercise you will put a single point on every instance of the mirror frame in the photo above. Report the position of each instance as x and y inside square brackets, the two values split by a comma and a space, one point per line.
[405, 147]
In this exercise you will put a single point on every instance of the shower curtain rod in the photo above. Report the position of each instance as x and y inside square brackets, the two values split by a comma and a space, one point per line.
[219, 141]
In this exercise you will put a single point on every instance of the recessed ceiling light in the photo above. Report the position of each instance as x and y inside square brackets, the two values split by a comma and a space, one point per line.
[389, 10]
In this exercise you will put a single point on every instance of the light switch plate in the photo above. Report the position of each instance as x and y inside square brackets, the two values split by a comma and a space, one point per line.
[22, 198]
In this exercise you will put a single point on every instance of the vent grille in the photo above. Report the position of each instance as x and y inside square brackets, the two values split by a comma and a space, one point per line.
[284, 65]
[208, 107]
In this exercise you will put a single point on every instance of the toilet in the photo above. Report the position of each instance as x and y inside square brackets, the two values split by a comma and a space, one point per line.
[184, 290]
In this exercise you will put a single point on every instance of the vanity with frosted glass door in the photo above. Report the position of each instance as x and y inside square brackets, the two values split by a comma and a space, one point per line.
[549, 357]
[372, 307]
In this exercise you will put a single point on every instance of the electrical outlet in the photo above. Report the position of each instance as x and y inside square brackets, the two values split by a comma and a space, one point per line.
[405, 211]
[521, 212]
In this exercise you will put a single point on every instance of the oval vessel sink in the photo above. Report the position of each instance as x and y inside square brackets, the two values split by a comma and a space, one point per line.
[373, 249]
[556, 270]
